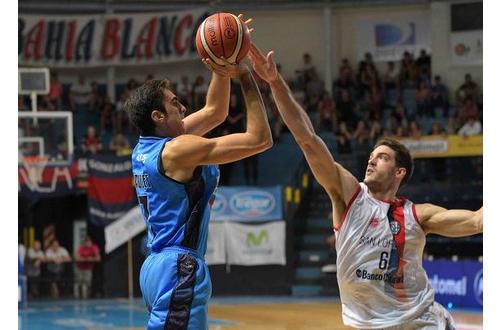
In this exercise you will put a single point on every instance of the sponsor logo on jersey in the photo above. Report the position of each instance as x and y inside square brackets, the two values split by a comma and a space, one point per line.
[374, 222]
[141, 158]
[252, 203]
[383, 242]
[386, 277]
[395, 227]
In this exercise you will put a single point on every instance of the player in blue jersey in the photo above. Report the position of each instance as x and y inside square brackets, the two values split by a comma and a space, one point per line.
[175, 177]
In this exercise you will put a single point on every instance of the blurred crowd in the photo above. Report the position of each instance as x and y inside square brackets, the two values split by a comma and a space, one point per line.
[402, 100]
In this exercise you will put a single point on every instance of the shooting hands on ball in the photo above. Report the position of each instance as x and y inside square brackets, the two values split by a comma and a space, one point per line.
[228, 70]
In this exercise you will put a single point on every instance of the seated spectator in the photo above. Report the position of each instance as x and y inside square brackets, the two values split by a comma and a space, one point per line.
[344, 81]
[437, 130]
[55, 92]
[375, 132]
[471, 127]
[34, 260]
[184, 92]
[451, 126]
[327, 113]
[86, 257]
[80, 94]
[121, 115]
[306, 69]
[375, 101]
[91, 143]
[120, 145]
[439, 95]
[96, 99]
[414, 130]
[345, 108]
[469, 109]
[468, 89]
[345, 68]
[343, 138]
[424, 101]
[108, 116]
[314, 86]
[400, 133]
[56, 256]
[390, 77]
[199, 91]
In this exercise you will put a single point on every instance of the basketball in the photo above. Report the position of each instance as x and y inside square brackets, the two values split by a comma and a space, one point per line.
[223, 35]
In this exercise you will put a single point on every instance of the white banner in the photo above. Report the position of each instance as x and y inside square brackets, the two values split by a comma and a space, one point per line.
[216, 244]
[102, 40]
[387, 39]
[255, 244]
[466, 48]
[123, 229]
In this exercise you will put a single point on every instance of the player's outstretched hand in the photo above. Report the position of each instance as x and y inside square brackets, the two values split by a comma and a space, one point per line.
[264, 66]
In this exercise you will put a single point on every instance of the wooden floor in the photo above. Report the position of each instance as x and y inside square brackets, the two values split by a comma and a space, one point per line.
[295, 316]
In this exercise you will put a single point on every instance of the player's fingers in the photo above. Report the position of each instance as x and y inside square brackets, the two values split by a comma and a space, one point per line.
[256, 52]
[270, 55]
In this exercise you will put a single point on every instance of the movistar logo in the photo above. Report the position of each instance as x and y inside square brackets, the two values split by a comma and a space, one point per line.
[254, 239]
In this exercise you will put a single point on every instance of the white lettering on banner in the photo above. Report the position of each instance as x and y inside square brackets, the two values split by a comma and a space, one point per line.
[426, 146]
[255, 244]
[33, 178]
[252, 203]
[449, 286]
[109, 167]
[478, 287]
[123, 229]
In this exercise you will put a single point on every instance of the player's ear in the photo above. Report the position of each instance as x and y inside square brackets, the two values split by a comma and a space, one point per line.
[400, 173]
[158, 115]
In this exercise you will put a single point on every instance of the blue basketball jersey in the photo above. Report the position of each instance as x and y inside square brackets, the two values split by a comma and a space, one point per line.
[176, 213]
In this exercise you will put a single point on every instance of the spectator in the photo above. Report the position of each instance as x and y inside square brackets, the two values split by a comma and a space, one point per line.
[314, 86]
[79, 95]
[86, 257]
[344, 81]
[469, 109]
[91, 143]
[375, 101]
[34, 260]
[439, 96]
[437, 130]
[451, 126]
[345, 107]
[199, 91]
[468, 89]
[184, 92]
[56, 256]
[343, 138]
[424, 100]
[307, 68]
[96, 99]
[108, 117]
[415, 132]
[120, 145]
[345, 68]
[424, 62]
[55, 92]
[327, 113]
[390, 78]
[121, 116]
[375, 132]
[471, 127]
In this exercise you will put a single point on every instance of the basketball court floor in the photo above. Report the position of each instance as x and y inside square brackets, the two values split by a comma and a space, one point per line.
[225, 313]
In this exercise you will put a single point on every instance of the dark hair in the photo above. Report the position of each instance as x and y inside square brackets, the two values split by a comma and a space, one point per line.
[403, 157]
[145, 99]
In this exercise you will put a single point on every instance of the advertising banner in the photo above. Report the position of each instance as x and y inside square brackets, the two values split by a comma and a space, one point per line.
[103, 40]
[255, 244]
[216, 245]
[124, 229]
[459, 283]
[466, 48]
[110, 190]
[450, 146]
[387, 39]
[247, 204]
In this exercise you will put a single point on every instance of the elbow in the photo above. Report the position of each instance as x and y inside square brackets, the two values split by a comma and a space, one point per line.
[478, 222]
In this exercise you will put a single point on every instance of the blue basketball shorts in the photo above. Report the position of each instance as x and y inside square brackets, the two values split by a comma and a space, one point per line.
[176, 287]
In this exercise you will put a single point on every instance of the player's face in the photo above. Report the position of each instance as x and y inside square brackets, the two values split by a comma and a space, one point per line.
[175, 113]
[381, 166]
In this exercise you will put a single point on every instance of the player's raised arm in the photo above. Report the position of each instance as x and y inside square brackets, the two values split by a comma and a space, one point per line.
[216, 107]
[191, 150]
[451, 223]
[339, 183]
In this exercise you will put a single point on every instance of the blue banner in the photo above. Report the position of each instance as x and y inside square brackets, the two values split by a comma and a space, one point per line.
[459, 283]
[247, 204]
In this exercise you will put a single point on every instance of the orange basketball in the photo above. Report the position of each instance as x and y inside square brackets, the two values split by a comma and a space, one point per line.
[223, 35]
